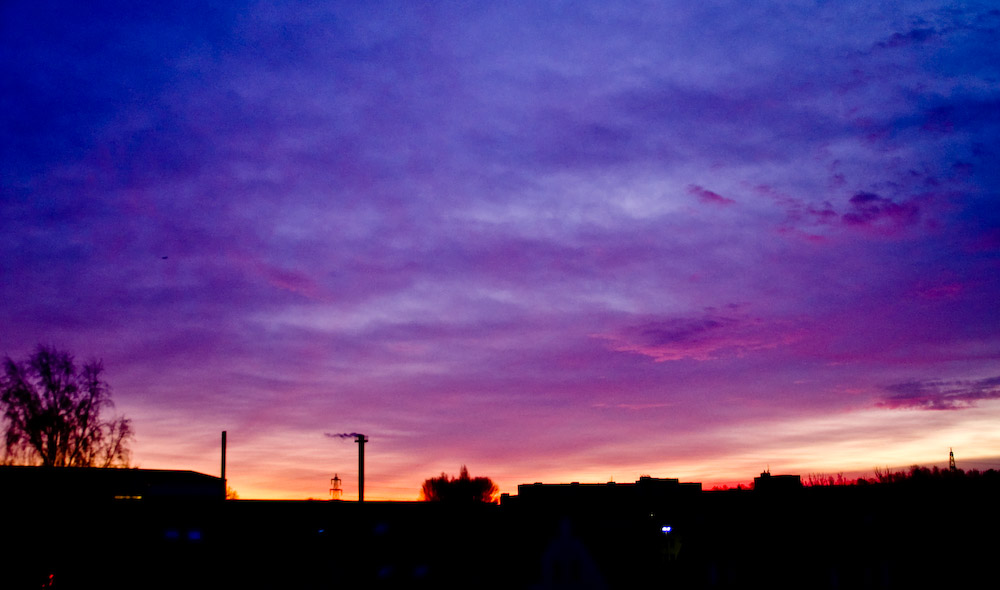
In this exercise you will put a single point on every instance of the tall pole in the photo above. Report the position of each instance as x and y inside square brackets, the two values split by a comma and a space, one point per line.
[361, 440]
[224, 459]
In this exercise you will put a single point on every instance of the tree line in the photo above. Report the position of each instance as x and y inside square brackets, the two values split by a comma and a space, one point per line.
[916, 474]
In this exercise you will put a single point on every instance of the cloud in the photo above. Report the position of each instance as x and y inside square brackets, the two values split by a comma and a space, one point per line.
[712, 335]
[940, 395]
[706, 196]
[880, 214]
[866, 211]
[913, 37]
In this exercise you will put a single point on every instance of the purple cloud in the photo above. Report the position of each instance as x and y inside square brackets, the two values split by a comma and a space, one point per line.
[715, 334]
[870, 211]
[940, 395]
[706, 196]
[915, 36]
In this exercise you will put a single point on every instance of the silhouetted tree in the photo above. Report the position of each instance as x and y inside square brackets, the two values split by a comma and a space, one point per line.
[461, 489]
[52, 413]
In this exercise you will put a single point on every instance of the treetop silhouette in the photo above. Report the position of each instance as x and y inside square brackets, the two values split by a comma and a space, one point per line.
[52, 413]
[459, 490]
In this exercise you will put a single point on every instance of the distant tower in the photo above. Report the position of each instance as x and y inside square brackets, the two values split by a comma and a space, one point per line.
[951, 460]
[335, 490]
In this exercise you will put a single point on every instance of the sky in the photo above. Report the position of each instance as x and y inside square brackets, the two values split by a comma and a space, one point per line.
[551, 241]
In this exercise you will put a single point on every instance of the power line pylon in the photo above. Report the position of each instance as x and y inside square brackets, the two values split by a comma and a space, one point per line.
[335, 490]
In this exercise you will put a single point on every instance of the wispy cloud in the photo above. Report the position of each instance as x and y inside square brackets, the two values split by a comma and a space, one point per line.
[706, 196]
[715, 333]
[940, 395]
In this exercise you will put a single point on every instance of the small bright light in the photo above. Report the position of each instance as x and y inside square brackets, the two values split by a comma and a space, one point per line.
[666, 529]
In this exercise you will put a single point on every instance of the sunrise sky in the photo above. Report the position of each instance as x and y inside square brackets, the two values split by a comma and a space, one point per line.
[552, 241]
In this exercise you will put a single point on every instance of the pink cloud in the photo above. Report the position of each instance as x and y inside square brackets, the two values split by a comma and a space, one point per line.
[709, 336]
[706, 196]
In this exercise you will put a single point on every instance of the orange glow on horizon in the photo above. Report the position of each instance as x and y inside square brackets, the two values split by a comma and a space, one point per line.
[852, 443]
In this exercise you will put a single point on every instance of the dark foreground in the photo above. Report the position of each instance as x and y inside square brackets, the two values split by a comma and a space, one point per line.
[821, 537]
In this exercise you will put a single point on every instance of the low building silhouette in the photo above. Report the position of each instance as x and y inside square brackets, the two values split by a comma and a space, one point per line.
[644, 491]
[87, 484]
[768, 483]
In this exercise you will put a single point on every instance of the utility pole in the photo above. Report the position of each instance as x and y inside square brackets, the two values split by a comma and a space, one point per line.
[224, 461]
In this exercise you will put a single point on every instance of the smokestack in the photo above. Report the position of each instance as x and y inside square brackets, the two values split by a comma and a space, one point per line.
[361, 440]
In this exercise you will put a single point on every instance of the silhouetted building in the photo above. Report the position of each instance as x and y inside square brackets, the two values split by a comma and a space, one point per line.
[776, 483]
[87, 484]
[646, 490]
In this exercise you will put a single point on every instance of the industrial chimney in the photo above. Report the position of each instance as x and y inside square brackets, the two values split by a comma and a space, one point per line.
[361, 440]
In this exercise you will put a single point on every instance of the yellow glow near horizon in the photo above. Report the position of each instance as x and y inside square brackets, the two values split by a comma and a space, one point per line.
[854, 443]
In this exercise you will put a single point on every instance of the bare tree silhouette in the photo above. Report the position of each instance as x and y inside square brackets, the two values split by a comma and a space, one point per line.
[52, 413]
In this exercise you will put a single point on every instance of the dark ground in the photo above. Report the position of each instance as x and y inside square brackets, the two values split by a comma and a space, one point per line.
[875, 536]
